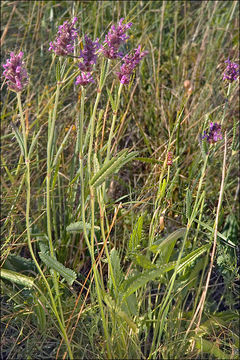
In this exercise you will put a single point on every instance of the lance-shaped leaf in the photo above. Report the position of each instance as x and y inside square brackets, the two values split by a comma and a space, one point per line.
[112, 166]
[132, 284]
[78, 226]
[68, 274]
[17, 278]
[19, 138]
[161, 244]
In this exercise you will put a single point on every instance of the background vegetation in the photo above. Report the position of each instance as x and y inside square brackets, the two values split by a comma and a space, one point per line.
[165, 284]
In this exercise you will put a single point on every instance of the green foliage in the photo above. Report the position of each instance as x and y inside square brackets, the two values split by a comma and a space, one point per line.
[17, 278]
[68, 274]
[112, 166]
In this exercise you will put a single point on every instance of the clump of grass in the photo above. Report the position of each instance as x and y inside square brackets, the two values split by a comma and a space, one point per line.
[120, 205]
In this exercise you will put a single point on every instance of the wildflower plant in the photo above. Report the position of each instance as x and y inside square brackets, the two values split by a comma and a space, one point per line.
[17, 78]
[138, 250]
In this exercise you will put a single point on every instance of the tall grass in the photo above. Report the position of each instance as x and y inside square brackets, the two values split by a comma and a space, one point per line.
[119, 223]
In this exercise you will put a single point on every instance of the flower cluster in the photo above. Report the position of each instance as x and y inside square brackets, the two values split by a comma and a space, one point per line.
[64, 43]
[15, 72]
[115, 37]
[232, 71]
[89, 56]
[129, 64]
[84, 79]
[169, 158]
[213, 134]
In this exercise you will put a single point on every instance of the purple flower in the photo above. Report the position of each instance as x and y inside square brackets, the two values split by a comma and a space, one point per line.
[88, 54]
[15, 72]
[213, 134]
[130, 62]
[64, 43]
[232, 71]
[115, 37]
[84, 79]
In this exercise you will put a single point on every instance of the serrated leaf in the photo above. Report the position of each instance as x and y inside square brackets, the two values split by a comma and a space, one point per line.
[116, 267]
[68, 274]
[17, 278]
[136, 235]
[132, 284]
[112, 166]
[18, 263]
[78, 226]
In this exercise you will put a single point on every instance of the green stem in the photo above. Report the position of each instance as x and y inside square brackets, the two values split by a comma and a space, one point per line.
[48, 191]
[165, 303]
[96, 275]
[27, 162]
[113, 121]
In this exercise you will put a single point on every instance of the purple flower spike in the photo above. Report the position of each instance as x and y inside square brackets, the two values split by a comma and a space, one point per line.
[113, 40]
[89, 54]
[84, 79]
[15, 72]
[64, 43]
[232, 71]
[213, 134]
[130, 62]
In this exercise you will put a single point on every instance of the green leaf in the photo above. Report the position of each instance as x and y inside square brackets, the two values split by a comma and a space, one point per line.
[61, 146]
[18, 263]
[144, 262]
[34, 142]
[206, 226]
[17, 278]
[68, 274]
[188, 204]
[132, 284]
[112, 166]
[119, 312]
[209, 347]
[136, 235]
[111, 100]
[78, 227]
[19, 138]
[40, 312]
[160, 244]
[116, 267]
